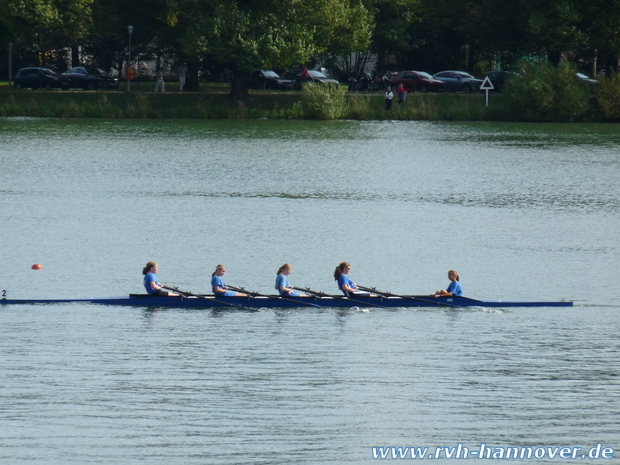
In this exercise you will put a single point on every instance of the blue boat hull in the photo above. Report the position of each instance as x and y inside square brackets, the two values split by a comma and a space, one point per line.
[140, 300]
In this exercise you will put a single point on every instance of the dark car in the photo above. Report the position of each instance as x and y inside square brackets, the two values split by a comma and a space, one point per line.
[90, 78]
[586, 79]
[313, 76]
[268, 80]
[498, 78]
[39, 78]
[459, 81]
[414, 81]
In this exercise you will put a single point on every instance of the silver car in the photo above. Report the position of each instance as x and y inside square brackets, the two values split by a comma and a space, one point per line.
[459, 81]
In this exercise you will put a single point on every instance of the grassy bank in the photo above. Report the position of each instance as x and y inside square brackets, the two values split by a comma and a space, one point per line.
[217, 105]
[78, 104]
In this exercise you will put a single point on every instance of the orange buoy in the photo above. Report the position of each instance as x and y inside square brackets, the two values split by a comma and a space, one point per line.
[37, 266]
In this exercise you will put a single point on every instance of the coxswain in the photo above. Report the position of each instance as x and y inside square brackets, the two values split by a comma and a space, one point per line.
[454, 289]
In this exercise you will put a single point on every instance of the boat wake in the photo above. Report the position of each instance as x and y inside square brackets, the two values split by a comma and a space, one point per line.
[487, 310]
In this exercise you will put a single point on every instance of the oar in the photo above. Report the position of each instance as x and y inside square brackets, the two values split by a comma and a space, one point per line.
[321, 294]
[188, 293]
[389, 294]
[254, 293]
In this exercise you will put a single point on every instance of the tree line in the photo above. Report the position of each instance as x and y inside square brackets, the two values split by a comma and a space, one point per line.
[233, 37]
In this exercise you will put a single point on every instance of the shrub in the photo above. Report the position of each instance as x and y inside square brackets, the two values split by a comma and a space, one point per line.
[543, 92]
[608, 97]
[320, 101]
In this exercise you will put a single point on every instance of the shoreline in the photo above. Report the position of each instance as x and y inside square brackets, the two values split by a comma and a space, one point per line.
[259, 105]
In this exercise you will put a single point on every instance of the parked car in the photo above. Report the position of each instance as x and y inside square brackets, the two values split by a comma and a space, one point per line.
[586, 79]
[268, 80]
[313, 76]
[90, 78]
[498, 78]
[39, 78]
[458, 81]
[417, 81]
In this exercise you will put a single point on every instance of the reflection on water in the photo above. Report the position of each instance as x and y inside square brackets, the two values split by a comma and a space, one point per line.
[551, 202]
[545, 201]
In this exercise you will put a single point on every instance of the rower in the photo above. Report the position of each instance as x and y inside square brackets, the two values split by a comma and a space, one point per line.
[219, 287]
[283, 286]
[348, 287]
[151, 284]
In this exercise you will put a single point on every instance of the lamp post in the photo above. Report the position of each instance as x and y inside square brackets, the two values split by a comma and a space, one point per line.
[10, 61]
[130, 30]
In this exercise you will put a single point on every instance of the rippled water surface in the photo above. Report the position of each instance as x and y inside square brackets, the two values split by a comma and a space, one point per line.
[521, 211]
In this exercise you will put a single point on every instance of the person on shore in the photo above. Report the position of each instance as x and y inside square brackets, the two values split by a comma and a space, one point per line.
[282, 285]
[151, 284]
[160, 85]
[348, 287]
[219, 287]
[389, 96]
[454, 289]
[401, 93]
[183, 75]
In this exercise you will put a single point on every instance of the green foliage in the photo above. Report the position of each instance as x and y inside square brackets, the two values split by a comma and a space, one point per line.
[267, 34]
[608, 97]
[429, 107]
[602, 28]
[285, 105]
[244, 35]
[543, 92]
[45, 25]
[556, 25]
[359, 107]
[320, 101]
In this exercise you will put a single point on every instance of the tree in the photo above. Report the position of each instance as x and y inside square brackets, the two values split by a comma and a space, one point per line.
[393, 33]
[108, 41]
[265, 34]
[45, 25]
[601, 19]
[555, 27]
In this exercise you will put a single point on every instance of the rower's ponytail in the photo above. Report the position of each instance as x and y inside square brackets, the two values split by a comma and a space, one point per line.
[218, 268]
[148, 266]
[339, 269]
[286, 266]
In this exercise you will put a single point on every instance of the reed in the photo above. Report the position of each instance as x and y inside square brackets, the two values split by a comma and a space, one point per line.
[434, 107]
[360, 107]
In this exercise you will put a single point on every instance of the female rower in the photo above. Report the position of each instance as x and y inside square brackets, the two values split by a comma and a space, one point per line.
[151, 284]
[454, 289]
[348, 287]
[219, 287]
[282, 285]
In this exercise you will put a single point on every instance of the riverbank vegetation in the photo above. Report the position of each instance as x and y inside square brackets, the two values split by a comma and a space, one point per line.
[543, 93]
[309, 104]
[431, 107]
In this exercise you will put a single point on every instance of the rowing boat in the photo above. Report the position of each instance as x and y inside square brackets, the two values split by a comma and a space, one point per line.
[210, 301]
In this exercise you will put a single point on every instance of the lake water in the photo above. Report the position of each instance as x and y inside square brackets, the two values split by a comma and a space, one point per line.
[521, 211]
